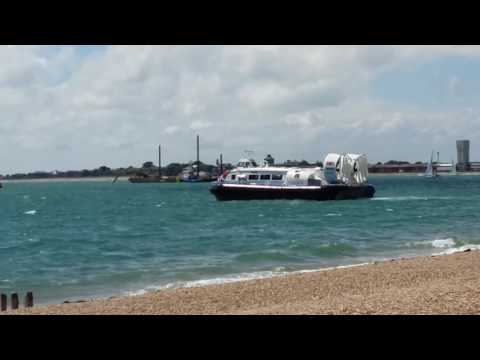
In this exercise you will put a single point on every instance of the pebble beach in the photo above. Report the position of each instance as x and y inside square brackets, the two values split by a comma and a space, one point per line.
[444, 284]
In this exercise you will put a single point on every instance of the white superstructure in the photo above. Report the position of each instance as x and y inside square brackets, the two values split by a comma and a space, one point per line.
[346, 169]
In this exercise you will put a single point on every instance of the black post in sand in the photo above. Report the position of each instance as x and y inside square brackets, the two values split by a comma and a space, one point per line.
[29, 299]
[14, 302]
[3, 302]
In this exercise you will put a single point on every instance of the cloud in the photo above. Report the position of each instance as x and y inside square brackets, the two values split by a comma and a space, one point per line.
[63, 109]
[199, 124]
[455, 86]
[171, 130]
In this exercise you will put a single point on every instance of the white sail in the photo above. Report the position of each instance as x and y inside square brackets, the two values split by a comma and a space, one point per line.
[429, 171]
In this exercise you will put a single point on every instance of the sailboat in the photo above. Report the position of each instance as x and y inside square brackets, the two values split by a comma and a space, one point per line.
[192, 172]
[431, 170]
[144, 178]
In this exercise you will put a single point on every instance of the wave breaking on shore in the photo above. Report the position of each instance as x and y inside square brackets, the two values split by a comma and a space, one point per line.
[438, 243]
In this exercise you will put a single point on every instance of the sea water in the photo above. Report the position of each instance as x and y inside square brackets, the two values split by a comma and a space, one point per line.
[77, 240]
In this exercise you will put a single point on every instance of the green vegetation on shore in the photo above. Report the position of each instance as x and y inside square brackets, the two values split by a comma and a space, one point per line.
[174, 169]
[147, 169]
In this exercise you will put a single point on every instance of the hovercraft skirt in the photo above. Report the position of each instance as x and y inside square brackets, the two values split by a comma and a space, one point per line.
[329, 192]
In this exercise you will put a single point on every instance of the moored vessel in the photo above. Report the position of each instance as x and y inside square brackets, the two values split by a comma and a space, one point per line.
[192, 173]
[141, 178]
[342, 177]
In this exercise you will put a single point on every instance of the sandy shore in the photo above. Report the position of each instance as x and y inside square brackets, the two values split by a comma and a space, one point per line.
[448, 284]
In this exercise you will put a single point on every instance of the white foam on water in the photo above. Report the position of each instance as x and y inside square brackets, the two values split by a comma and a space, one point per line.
[399, 198]
[278, 272]
[121, 228]
[405, 198]
[31, 212]
[205, 282]
[43, 198]
[234, 278]
[136, 293]
[330, 268]
[443, 243]
[437, 243]
[463, 248]
[448, 244]
[333, 214]
[390, 210]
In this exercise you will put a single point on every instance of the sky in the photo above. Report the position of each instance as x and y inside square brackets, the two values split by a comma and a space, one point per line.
[81, 107]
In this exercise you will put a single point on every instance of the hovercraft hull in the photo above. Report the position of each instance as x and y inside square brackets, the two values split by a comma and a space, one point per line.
[329, 192]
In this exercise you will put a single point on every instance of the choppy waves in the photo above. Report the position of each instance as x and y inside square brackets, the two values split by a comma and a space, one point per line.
[448, 245]
[122, 237]
[411, 198]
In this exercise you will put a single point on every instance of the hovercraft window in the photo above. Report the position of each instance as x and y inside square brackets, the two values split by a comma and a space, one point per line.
[277, 177]
[264, 177]
[233, 177]
[252, 177]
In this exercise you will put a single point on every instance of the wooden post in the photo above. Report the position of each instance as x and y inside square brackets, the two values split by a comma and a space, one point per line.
[160, 161]
[29, 299]
[14, 301]
[198, 156]
[4, 302]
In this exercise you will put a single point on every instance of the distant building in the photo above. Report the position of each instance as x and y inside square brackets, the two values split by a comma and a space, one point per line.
[473, 166]
[463, 155]
[443, 167]
[405, 167]
[397, 168]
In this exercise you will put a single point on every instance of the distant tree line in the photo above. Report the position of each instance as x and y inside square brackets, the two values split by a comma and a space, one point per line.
[396, 162]
[301, 163]
[147, 168]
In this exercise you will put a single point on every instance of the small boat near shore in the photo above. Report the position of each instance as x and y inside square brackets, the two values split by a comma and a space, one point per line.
[153, 179]
[343, 177]
[192, 173]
